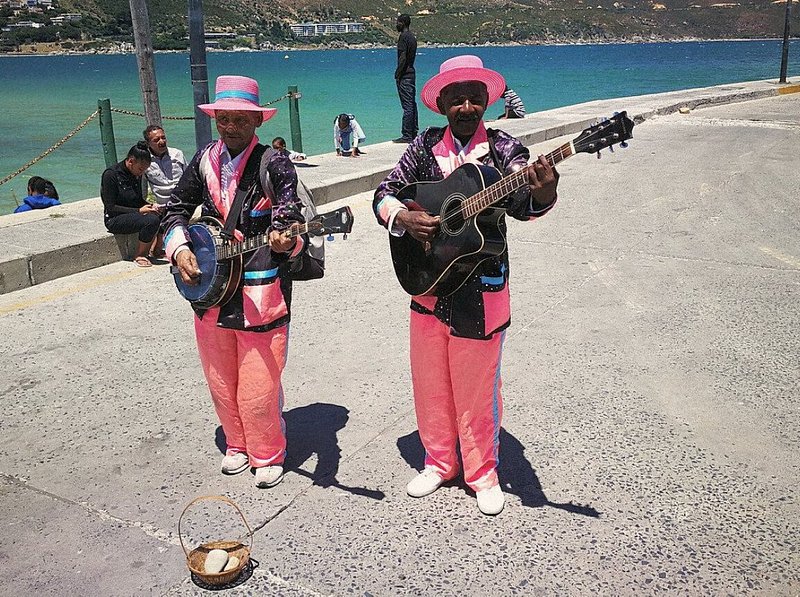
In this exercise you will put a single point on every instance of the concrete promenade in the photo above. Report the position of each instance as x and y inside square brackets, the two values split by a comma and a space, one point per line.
[651, 431]
[43, 245]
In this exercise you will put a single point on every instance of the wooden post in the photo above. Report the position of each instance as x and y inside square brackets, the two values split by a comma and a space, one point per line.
[144, 58]
[199, 73]
[294, 119]
[785, 53]
[107, 132]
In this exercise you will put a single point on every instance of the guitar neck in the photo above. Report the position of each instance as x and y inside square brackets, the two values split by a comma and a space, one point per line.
[229, 250]
[502, 188]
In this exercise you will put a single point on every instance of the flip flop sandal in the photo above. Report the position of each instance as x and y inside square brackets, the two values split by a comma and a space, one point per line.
[142, 262]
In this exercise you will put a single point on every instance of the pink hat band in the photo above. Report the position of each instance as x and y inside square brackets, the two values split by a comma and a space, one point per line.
[462, 69]
[234, 92]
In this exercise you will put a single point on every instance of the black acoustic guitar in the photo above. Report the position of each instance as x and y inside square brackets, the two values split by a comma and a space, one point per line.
[469, 232]
[220, 261]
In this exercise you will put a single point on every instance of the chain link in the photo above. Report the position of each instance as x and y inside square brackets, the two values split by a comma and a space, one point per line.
[50, 150]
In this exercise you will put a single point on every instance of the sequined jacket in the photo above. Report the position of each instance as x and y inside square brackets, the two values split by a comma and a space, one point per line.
[482, 306]
[263, 298]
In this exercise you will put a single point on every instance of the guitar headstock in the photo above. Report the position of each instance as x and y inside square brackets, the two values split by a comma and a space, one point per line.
[338, 221]
[616, 129]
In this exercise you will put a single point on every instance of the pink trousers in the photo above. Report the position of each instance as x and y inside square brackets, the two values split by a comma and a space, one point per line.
[457, 399]
[243, 370]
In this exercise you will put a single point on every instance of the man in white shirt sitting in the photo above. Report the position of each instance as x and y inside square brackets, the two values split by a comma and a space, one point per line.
[166, 168]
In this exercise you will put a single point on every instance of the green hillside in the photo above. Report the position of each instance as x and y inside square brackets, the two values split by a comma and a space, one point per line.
[262, 23]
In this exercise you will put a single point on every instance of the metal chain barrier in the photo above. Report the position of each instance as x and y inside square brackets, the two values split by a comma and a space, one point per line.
[142, 115]
[50, 150]
[89, 119]
[275, 101]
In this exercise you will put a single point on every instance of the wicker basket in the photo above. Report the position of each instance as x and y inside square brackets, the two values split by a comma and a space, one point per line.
[196, 558]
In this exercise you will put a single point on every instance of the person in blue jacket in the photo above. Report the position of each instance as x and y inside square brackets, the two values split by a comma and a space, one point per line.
[41, 194]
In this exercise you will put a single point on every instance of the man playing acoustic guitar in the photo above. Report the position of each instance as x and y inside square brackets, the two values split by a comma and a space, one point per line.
[456, 340]
[243, 343]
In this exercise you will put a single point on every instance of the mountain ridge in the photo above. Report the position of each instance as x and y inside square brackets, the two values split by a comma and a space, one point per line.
[265, 24]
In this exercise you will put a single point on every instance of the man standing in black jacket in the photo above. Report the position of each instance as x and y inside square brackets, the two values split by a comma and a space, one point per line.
[406, 78]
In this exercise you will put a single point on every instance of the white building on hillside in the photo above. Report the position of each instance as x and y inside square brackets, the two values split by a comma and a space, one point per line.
[68, 17]
[317, 29]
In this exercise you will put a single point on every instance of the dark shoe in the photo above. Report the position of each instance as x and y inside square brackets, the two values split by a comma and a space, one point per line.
[402, 140]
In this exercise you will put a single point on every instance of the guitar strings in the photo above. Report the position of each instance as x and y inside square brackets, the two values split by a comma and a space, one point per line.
[505, 186]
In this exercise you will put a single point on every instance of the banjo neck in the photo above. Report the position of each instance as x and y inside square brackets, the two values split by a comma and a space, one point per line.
[229, 250]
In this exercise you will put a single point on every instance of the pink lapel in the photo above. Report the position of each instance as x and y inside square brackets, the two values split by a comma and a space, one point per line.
[213, 176]
[448, 157]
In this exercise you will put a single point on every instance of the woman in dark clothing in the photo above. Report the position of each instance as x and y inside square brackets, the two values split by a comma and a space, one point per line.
[126, 211]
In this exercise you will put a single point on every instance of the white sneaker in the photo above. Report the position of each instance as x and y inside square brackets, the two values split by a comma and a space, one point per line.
[235, 463]
[268, 476]
[491, 501]
[424, 483]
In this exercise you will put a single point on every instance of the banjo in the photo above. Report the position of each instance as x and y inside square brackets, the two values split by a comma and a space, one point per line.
[220, 261]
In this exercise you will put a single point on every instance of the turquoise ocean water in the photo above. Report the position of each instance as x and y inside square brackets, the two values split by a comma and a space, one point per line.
[42, 98]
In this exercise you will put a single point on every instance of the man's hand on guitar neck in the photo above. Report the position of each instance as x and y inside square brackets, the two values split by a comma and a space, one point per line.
[418, 224]
[280, 241]
[187, 266]
[543, 180]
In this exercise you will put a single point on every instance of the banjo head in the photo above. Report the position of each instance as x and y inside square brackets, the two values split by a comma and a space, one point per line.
[204, 236]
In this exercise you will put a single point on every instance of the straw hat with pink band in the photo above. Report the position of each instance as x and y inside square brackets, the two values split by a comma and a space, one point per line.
[234, 92]
[462, 69]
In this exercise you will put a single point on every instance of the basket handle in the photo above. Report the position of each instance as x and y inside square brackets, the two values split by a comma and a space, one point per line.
[218, 498]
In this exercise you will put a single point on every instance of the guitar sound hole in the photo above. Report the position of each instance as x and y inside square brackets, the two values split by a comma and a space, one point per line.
[452, 217]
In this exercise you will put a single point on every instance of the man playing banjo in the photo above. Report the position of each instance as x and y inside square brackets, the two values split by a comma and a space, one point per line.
[243, 343]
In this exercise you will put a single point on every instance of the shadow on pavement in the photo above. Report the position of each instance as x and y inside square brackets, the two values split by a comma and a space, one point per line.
[516, 473]
[312, 430]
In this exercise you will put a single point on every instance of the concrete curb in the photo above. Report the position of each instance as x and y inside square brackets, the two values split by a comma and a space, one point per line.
[40, 246]
[44, 245]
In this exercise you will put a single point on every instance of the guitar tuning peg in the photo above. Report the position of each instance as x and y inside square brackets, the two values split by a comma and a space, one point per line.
[623, 145]
[611, 148]
[329, 238]
[598, 154]
[344, 236]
